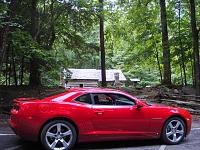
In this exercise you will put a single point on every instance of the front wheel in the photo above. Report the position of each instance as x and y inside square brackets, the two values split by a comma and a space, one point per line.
[58, 135]
[174, 131]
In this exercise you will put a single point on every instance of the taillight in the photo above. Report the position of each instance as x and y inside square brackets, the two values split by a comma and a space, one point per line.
[15, 106]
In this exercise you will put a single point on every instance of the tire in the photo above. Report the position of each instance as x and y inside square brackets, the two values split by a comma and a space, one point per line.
[174, 131]
[58, 134]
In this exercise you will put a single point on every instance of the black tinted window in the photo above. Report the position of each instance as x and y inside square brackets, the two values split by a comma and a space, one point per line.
[102, 99]
[84, 99]
[122, 100]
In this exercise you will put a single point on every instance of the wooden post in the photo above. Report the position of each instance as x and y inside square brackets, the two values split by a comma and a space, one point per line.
[62, 80]
[102, 47]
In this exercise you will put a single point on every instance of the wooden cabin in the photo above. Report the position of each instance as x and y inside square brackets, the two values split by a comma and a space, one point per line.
[90, 77]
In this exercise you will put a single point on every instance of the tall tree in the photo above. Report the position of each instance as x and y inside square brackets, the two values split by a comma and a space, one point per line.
[195, 38]
[165, 44]
[3, 37]
[102, 47]
[181, 46]
[34, 79]
[5, 29]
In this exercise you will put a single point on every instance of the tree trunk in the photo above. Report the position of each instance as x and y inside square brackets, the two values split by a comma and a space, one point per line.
[52, 27]
[7, 59]
[34, 79]
[195, 39]
[10, 72]
[34, 73]
[192, 67]
[22, 71]
[5, 30]
[158, 63]
[165, 44]
[181, 70]
[14, 67]
[102, 47]
[181, 48]
[3, 43]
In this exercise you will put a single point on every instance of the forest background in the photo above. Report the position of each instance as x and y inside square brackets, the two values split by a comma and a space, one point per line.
[156, 41]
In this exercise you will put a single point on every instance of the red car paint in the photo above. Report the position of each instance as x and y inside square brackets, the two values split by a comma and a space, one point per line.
[93, 122]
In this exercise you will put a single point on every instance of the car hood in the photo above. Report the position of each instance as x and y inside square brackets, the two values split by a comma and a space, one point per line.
[162, 106]
[171, 108]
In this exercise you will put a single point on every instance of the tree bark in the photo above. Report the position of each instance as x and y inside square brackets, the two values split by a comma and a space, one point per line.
[34, 79]
[10, 72]
[158, 63]
[14, 67]
[102, 47]
[195, 38]
[192, 68]
[52, 27]
[3, 43]
[5, 30]
[181, 70]
[22, 71]
[181, 48]
[7, 59]
[165, 44]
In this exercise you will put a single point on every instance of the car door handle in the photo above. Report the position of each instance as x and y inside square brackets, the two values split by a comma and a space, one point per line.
[99, 112]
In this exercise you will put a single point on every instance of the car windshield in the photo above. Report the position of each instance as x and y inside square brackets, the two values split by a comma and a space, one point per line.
[149, 103]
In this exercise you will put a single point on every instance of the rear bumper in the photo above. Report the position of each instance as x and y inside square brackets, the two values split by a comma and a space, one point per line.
[24, 127]
[13, 126]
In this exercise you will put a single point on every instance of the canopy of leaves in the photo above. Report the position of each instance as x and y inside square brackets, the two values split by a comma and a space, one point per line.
[68, 36]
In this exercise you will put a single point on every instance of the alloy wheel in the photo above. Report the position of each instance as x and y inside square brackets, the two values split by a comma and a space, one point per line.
[175, 131]
[59, 136]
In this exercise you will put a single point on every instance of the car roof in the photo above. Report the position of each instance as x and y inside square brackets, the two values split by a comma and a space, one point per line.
[93, 90]
[74, 92]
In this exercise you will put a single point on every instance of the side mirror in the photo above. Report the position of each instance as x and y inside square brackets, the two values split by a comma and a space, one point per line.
[139, 105]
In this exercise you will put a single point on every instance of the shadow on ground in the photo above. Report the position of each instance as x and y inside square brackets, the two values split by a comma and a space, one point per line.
[117, 144]
[24, 145]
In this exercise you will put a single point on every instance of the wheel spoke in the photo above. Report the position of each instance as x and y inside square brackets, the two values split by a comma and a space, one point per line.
[49, 134]
[174, 138]
[169, 133]
[58, 127]
[175, 131]
[180, 132]
[56, 139]
[170, 125]
[67, 133]
[177, 124]
[53, 145]
[65, 144]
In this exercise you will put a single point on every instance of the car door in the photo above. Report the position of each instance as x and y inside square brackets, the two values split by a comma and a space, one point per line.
[118, 114]
[83, 111]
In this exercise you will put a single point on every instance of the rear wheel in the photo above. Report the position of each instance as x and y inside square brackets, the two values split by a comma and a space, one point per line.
[174, 131]
[58, 135]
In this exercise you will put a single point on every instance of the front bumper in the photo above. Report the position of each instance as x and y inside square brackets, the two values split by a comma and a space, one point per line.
[189, 125]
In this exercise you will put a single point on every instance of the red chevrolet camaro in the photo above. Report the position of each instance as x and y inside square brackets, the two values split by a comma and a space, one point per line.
[85, 115]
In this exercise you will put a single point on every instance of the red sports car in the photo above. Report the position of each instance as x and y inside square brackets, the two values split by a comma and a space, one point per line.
[85, 115]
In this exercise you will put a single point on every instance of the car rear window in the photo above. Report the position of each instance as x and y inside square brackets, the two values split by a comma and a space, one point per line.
[86, 98]
[63, 97]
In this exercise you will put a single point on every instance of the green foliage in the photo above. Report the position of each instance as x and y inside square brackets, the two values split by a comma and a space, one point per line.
[68, 36]
[133, 38]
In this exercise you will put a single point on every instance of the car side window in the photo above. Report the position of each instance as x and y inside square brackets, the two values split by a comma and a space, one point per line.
[121, 100]
[102, 99]
[86, 98]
